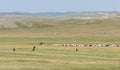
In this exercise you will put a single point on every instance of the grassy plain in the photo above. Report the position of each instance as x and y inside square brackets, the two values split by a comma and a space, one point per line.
[58, 58]
[55, 58]
[50, 57]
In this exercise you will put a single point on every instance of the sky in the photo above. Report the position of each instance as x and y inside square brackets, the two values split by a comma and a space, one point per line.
[59, 5]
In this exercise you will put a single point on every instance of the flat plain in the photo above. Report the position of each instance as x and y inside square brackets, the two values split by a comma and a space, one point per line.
[58, 58]
[49, 57]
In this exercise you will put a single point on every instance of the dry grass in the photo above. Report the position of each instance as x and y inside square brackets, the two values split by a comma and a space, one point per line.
[57, 58]
[61, 58]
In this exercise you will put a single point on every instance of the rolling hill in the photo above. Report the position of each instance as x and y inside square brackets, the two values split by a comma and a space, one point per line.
[63, 24]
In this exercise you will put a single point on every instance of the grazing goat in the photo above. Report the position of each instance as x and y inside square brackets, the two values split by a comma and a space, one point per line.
[76, 49]
[13, 49]
[33, 48]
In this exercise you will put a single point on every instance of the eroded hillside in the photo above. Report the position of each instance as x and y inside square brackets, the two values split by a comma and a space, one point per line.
[36, 25]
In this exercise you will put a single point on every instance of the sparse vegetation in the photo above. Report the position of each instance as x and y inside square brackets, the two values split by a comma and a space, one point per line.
[17, 51]
[65, 58]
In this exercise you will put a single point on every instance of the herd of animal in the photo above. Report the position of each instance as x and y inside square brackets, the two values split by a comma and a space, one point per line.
[33, 49]
[88, 45]
[78, 45]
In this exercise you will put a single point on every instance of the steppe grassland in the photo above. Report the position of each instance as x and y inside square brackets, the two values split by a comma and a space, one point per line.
[65, 58]
[55, 58]
[50, 57]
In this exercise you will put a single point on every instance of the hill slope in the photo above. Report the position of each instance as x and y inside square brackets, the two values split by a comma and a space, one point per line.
[63, 26]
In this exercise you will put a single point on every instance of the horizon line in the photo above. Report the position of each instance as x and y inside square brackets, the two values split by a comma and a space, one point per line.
[55, 12]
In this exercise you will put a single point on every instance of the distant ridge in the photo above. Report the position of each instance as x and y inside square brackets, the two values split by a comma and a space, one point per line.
[94, 14]
[36, 14]
[53, 20]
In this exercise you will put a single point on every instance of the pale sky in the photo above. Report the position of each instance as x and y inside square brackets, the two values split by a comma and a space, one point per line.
[59, 5]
